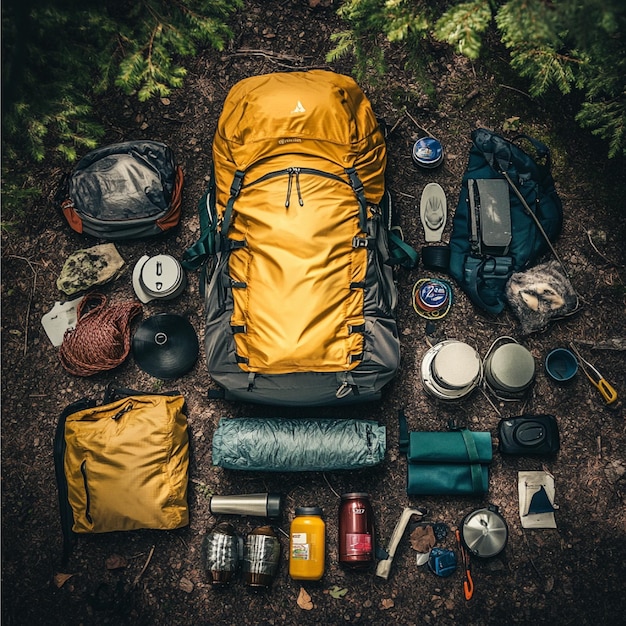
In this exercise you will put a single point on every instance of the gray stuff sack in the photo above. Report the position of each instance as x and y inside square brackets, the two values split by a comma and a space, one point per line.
[295, 445]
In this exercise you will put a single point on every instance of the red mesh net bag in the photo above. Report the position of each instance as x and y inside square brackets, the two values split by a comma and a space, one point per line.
[101, 339]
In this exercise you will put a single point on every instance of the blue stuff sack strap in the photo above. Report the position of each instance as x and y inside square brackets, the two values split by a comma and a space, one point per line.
[401, 253]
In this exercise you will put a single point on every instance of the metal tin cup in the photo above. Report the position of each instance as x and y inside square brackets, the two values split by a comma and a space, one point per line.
[451, 370]
[222, 551]
[427, 153]
[484, 532]
[509, 369]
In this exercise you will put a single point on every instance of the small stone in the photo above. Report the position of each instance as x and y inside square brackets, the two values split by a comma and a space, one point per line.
[88, 267]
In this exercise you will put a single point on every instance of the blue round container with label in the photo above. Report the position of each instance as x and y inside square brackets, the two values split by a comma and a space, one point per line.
[427, 153]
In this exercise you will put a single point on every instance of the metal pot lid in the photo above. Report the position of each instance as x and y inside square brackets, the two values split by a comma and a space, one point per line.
[484, 532]
[433, 386]
[161, 276]
[512, 367]
[456, 366]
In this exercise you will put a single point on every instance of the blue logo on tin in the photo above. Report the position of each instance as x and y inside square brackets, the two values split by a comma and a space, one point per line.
[433, 294]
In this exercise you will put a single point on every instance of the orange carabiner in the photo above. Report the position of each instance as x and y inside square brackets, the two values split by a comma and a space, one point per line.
[468, 583]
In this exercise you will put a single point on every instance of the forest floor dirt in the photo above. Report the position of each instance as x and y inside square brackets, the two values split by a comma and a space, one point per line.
[573, 574]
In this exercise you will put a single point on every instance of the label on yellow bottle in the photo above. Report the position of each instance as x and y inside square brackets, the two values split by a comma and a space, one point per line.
[300, 548]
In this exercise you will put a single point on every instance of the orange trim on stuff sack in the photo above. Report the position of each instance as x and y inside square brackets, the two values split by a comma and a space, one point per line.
[73, 219]
[172, 217]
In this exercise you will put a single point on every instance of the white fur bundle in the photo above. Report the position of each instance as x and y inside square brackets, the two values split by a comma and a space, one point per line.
[539, 295]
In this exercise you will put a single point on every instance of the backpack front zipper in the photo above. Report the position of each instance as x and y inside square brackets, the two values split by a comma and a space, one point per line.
[294, 173]
[83, 471]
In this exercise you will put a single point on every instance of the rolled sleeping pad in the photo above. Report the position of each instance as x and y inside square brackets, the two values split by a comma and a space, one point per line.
[296, 445]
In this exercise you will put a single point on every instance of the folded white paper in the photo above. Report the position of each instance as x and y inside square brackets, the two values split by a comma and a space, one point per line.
[536, 499]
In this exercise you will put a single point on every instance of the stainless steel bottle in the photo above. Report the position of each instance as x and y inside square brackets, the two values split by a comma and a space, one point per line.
[260, 504]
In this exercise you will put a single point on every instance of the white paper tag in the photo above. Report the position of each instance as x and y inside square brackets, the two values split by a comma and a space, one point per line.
[63, 316]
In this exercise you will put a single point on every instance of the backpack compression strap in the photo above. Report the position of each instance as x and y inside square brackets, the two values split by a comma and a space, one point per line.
[197, 254]
[401, 253]
[359, 191]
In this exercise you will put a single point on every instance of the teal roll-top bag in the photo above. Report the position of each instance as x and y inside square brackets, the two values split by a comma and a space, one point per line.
[448, 447]
[453, 462]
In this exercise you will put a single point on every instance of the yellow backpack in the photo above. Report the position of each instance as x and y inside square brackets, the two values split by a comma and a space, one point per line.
[122, 465]
[301, 300]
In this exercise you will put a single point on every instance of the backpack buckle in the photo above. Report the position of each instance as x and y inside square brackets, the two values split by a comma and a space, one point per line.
[360, 242]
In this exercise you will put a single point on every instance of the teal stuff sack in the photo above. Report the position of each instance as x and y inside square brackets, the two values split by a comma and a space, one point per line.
[448, 463]
[452, 462]
[493, 235]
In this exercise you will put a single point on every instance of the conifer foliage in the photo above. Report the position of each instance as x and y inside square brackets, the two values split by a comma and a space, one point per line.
[56, 54]
[564, 45]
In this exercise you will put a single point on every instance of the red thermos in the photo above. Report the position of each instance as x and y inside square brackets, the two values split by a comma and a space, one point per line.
[356, 531]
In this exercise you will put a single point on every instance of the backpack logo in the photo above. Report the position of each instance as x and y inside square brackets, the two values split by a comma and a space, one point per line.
[299, 108]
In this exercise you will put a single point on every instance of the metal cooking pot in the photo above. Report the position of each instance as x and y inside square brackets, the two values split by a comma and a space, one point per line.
[509, 369]
[484, 532]
[451, 370]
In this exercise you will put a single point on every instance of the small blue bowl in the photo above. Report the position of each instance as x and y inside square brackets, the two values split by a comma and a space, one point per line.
[561, 365]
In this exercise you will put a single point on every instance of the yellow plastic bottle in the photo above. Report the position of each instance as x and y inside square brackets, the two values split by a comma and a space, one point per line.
[307, 544]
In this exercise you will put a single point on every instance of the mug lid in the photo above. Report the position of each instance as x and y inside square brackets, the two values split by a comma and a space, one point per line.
[456, 366]
[160, 276]
[512, 367]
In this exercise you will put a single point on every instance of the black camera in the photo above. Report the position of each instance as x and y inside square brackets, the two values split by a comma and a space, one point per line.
[528, 434]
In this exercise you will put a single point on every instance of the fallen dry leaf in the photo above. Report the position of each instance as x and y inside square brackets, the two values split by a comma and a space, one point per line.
[115, 561]
[60, 579]
[423, 538]
[387, 603]
[337, 592]
[304, 600]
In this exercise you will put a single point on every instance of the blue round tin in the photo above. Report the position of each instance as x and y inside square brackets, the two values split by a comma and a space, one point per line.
[433, 295]
[432, 298]
[427, 153]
